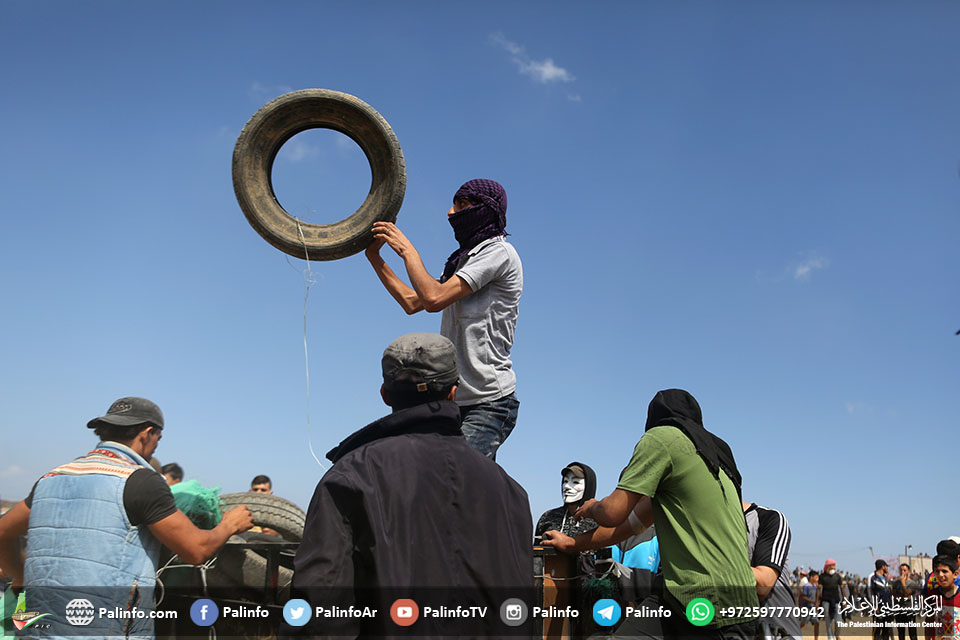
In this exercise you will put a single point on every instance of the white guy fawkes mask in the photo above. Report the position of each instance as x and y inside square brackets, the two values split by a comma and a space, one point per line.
[572, 488]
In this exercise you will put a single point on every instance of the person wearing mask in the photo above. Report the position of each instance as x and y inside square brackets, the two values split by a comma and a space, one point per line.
[578, 483]
[683, 479]
[830, 596]
[479, 295]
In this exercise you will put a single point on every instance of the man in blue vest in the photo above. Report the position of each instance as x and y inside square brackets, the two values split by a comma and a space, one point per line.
[95, 527]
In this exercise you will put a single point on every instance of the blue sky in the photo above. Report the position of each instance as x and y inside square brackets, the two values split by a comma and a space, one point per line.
[753, 201]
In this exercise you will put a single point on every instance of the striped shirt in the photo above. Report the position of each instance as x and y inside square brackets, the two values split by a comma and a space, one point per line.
[768, 537]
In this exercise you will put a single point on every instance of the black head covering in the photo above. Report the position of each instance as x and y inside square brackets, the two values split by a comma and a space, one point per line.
[589, 483]
[677, 408]
[487, 218]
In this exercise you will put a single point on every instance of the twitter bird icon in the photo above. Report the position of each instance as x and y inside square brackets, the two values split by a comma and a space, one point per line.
[296, 612]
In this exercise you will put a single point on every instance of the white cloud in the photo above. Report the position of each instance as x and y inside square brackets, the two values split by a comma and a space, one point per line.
[296, 150]
[859, 408]
[265, 92]
[803, 270]
[11, 471]
[543, 71]
[512, 47]
[345, 143]
[799, 270]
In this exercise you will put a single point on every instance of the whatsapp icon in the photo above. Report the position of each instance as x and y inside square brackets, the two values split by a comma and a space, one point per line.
[700, 612]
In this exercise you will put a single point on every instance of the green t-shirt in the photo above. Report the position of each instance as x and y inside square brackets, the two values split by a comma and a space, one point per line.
[700, 523]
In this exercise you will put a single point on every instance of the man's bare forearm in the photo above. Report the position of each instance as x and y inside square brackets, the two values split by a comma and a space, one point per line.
[612, 510]
[13, 525]
[11, 561]
[603, 537]
[426, 287]
[406, 297]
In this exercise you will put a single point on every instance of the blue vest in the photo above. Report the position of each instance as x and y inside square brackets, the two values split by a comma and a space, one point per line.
[82, 547]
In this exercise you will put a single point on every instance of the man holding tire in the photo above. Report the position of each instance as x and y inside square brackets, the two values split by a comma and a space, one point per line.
[479, 293]
[96, 525]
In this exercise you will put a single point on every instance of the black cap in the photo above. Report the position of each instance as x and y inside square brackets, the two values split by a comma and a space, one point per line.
[130, 412]
[880, 564]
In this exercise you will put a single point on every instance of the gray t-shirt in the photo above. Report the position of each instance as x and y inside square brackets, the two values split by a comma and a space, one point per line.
[481, 325]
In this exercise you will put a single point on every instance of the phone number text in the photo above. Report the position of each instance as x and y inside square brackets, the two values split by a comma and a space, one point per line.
[772, 612]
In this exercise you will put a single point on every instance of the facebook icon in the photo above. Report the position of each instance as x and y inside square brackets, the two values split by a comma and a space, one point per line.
[204, 612]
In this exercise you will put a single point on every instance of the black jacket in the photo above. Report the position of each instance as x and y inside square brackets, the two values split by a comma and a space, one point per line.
[559, 517]
[410, 510]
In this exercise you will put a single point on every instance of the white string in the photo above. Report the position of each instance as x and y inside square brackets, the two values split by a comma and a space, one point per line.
[308, 278]
[163, 591]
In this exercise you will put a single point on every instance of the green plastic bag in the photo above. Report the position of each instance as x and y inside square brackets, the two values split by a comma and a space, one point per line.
[200, 504]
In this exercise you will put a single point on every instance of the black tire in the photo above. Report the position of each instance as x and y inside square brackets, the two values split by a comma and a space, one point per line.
[279, 120]
[274, 512]
[247, 568]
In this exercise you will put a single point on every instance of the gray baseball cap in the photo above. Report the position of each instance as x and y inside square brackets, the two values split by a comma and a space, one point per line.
[419, 363]
[130, 412]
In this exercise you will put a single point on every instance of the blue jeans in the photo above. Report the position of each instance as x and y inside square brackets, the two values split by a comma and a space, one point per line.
[831, 614]
[487, 425]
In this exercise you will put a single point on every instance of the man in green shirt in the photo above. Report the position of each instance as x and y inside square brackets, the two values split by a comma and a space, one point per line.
[684, 479]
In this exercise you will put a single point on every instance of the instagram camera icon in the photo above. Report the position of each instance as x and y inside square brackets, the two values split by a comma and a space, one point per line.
[513, 612]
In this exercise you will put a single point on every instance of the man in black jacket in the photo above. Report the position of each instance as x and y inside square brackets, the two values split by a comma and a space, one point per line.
[409, 511]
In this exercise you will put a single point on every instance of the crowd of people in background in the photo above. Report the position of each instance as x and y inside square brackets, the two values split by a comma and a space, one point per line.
[893, 601]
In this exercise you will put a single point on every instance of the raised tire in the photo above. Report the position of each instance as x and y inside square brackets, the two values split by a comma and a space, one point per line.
[278, 121]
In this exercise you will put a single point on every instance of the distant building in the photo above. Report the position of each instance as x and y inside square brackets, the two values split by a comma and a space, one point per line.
[918, 564]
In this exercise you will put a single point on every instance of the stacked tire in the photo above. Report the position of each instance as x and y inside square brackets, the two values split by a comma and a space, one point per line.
[245, 568]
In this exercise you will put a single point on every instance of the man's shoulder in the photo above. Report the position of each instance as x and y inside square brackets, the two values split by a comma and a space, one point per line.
[771, 518]
[147, 479]
[669, 437]
[952, 601]
[495, 250]
[374, 465]
[419, 445]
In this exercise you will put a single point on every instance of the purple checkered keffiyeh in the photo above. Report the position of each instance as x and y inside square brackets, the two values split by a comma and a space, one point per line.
[487, 218]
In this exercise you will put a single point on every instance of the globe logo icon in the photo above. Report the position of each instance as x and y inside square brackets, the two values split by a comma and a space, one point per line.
[80, 612]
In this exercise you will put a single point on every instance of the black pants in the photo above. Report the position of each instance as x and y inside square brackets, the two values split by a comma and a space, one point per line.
[881, 631]
[677, 627]
[902, 630]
